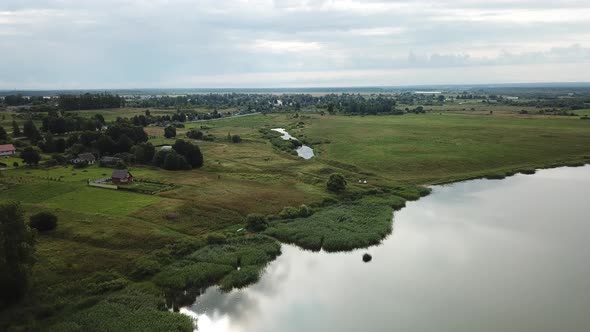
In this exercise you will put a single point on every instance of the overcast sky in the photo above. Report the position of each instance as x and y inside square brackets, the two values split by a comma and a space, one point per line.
[57, 44]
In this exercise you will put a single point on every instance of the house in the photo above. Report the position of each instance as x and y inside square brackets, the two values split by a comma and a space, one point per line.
[87, 158]
[109, 161]
[121, 176]
[7, 150]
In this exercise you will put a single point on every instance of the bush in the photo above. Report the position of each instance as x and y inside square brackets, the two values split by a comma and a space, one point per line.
[216, 238]
[336, 183]
[289, 212]
[145, 267]
[236, 139]
[305, 211]
[256, 222]
[195, 134]
[15, 164]
[43, 221]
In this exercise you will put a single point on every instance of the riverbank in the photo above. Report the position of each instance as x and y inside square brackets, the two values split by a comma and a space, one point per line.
[465, 248]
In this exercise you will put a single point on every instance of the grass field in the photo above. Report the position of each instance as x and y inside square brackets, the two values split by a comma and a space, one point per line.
[116, 250]
[436, 148]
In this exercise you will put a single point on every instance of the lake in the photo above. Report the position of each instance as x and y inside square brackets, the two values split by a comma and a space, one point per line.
[482, 255]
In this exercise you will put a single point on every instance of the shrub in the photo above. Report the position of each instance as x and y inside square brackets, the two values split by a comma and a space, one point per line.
[15, 164]
[367, 258]
[236, 139]
[216, 238]
[336, 183]
[256, 222]
[145, 267]
[305, 211]
[195, 134]
[289, 212]
[43, 221]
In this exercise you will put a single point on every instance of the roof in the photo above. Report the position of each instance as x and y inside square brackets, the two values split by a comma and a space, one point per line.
[120, 174]
[86, 156]
[7, 147]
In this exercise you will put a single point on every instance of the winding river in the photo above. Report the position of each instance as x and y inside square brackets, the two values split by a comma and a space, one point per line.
[482, 255]
[303, 151]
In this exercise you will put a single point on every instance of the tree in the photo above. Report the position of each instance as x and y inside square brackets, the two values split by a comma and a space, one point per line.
[17, 248]
[60, 145]
[15, 129]
[43, 221]
[336, 183]
[3, 134]
[48, 146]
[190, 152]
[174, 162]
[170, 132]
[31, 131]
[30, 156]
[124, 143]
[144, 152]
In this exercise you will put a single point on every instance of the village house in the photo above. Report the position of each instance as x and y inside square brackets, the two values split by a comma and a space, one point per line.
[121, 176]
[87, 158]
[7, 150]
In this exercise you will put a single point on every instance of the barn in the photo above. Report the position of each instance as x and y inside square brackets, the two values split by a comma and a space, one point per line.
[121, 176]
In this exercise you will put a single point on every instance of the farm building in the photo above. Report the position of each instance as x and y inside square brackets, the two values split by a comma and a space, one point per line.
[121, 176]
[7, 150]
[87, 158]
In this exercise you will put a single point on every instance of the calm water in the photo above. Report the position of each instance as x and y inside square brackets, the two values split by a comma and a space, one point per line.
[510, 255]
[303, 151]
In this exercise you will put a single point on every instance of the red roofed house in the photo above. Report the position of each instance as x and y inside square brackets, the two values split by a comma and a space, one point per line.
[7, 150]
[121, 176]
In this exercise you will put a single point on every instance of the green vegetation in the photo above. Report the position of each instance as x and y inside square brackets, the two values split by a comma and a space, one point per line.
[344, 226]
[336, 183]
[16, 254]
[43, 221]
[120, 260]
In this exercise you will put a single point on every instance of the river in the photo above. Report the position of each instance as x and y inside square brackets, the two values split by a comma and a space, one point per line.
[481, 255]
[303, 151]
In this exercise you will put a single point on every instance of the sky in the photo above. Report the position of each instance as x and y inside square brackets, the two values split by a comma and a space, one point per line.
[102, 44]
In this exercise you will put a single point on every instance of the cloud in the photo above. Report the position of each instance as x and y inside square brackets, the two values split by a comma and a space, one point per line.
[137, 43]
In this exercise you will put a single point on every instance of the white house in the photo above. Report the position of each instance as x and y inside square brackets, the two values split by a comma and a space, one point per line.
[7, 150]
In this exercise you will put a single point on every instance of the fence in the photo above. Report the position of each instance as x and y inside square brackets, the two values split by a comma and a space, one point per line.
[102, 185]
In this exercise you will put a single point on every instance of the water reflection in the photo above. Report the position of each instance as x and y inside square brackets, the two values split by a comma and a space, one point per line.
[482, 255]
[303, 151]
